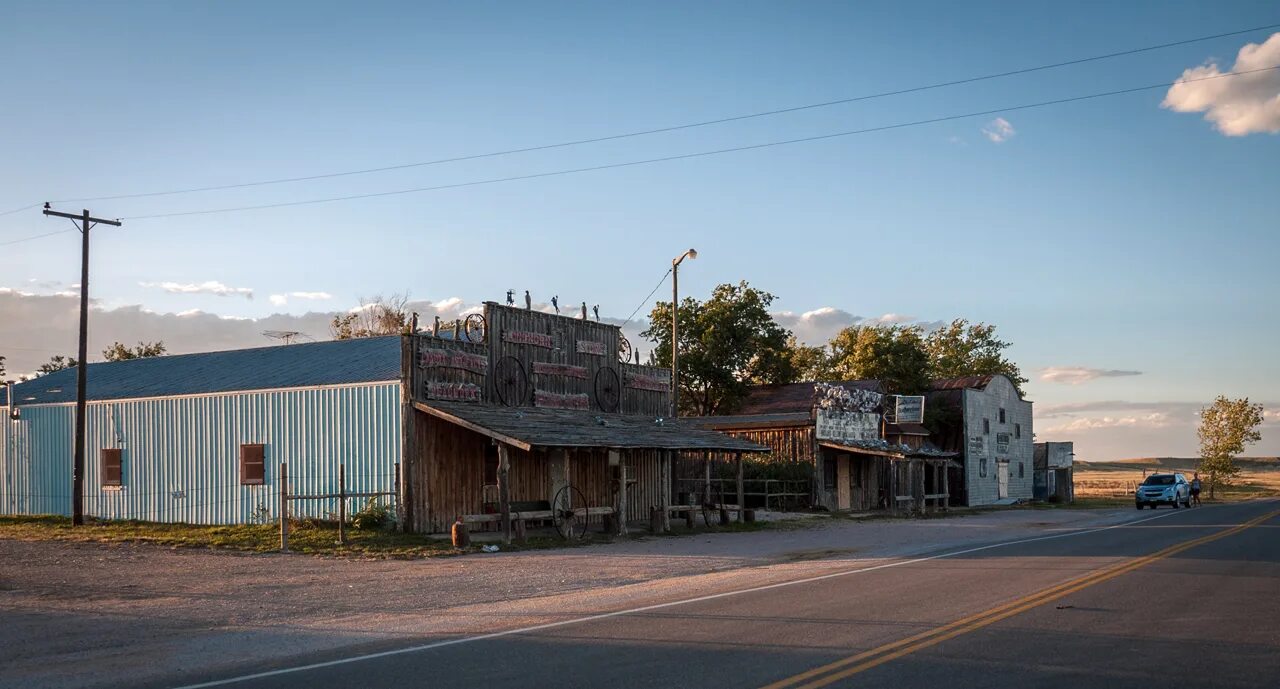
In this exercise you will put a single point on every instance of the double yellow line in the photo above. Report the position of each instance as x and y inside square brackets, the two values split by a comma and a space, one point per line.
[861, 662]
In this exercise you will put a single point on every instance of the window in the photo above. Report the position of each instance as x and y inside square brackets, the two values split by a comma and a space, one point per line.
[982, 467]
[1001, 414]
[986, 426]
[253, 464]
[112, 467]
[1020, 470]
[829, 473]
[491, 464]
[1017, 430]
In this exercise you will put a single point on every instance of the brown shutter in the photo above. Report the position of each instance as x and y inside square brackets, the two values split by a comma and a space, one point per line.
[112, 473]
[253, 459]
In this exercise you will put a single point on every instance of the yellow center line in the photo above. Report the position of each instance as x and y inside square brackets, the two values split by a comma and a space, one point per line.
[866, 660]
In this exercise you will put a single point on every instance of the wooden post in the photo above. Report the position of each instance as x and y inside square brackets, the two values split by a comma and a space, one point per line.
[342, 504]
[664, 491]
[893, 487]
[918, 472]
[504, 491]
[408, 435]
[742, 497]
[284, 507]
[621, 518]
[395, 488]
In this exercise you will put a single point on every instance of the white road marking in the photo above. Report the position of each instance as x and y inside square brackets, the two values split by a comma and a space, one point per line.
[660, 606]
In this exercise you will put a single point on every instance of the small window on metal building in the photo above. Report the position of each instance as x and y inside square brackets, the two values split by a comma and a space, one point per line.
[1017, 430]
[253, 464]
[1001, 414]
[986, 426]
[982, 467]
[112, 467]
[1020, 470]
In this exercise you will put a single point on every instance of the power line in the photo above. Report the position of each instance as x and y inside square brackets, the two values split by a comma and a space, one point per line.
[19, 210]
[699, 154]
[691, 125]
[646, 299]
[38, 236]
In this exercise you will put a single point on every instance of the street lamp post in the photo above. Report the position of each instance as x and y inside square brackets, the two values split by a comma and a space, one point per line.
[675, 320]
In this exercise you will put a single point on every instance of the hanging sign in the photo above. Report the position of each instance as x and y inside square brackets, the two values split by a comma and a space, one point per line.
[846, 426]
[909, 409]
[544, 368]
[527, 338]
[447, 358]
[590, 347]
[639, 381]
[555, 400]
[457, 392]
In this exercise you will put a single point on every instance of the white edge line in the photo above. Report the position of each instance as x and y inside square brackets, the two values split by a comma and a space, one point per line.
[659, 606]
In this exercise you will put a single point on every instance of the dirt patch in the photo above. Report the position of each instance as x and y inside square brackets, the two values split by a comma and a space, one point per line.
[815, 554]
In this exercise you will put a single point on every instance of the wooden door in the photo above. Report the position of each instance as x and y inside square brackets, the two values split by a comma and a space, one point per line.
[842, 482]
[1002, 475]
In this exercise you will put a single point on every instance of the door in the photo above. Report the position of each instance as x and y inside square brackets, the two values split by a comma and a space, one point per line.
[842, 482]
[1002, 475]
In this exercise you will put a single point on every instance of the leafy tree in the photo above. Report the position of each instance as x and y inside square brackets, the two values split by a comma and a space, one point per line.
[893, 354]
[726, 344]
[119, 352]
[375, 317]
[962, 348]
[1, 367]
[810, 363]
[57, 363]
[1226, 426]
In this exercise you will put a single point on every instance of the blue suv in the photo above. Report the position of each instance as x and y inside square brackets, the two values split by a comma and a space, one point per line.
[1166, 489]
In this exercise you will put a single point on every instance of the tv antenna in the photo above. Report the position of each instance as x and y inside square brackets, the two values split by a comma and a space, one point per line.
[284, 336]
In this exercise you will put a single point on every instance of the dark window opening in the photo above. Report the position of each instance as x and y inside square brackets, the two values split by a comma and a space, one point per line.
[1001, 414]
[253, 464]
[829, 473]
[491, 465]
[986, 426]
[112, 467]
[982, 467]
[1017, 430]
[1020, 470]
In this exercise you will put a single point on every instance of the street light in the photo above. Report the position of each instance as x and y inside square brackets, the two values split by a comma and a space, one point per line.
[675, 341]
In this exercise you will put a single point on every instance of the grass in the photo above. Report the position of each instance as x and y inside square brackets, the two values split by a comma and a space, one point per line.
[1116, 480]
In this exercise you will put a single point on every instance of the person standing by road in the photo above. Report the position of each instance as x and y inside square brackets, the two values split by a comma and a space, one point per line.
[1195, 489]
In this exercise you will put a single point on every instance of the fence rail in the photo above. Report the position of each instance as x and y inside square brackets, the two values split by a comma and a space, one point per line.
[767, 488]
[342, 496]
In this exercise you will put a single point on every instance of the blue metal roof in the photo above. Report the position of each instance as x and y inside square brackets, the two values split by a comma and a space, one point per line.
[363, 360]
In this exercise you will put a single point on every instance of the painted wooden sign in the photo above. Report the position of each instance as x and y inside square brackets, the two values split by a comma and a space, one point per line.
[457, 392]
[846, 426]
[909, 409]
[445, 358]
[977, 445]
[555, 400]
[546, 368]
[1002, 442]
[590, 347]
[639, 381]
[527, 338]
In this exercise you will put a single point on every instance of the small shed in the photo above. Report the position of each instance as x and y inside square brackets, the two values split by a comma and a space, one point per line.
[1054, 470]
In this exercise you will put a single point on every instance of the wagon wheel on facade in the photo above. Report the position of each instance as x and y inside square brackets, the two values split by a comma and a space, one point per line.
[569, 512]
[510, 382]
[711, 501]
[608, 389]
[624, 349]
[473, 328]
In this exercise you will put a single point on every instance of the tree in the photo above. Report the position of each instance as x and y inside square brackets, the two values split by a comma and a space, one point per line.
[726, 343]
[810, 363]
[1226, 426]
[119, 352]
[57, 363]
[374, 317]
[892, 354]
[1, 367]
[962, 348]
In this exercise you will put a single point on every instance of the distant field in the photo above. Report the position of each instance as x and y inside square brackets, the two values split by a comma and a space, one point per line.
[1260, 476]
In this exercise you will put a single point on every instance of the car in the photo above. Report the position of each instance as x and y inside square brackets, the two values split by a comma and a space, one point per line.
[1163, 489]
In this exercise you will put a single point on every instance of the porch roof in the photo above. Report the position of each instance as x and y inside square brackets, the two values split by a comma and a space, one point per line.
[882, 449]
[530, 427]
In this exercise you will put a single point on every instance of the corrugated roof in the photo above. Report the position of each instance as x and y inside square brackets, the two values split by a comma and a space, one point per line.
[363, 360]
[962, 383]
[793, 397]
[528, 427]
[742, 421]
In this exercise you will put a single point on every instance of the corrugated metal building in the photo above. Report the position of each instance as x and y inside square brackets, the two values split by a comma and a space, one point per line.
[181, 424]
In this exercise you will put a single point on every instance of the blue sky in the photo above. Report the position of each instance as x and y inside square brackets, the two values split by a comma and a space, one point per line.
[1110, 234]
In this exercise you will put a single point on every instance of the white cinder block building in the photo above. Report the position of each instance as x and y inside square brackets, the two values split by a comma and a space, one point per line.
[993, 432]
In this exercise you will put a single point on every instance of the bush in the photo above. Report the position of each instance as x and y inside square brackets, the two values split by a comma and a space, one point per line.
[374, 515]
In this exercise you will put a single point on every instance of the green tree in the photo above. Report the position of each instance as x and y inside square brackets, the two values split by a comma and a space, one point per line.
[119, 352]
[892, 354]
[726, 344]
[2, 367]
[56, 363]
[810, 363]
[1226, 426]
[375, 317]
[961, 348]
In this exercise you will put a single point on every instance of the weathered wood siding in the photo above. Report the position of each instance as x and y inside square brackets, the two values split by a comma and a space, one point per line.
[637, 395]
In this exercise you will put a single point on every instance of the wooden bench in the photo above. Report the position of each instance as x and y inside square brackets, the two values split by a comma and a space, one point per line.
[524, 512]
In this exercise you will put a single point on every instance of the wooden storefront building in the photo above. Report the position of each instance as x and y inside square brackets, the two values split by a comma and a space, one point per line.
[518, 416]
[860, 461]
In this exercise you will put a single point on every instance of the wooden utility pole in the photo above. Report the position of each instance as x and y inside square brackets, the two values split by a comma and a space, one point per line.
[87, 222]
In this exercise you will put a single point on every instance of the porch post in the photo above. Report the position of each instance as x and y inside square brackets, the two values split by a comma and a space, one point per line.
[664, 492]
[504, 491]
[742, 498]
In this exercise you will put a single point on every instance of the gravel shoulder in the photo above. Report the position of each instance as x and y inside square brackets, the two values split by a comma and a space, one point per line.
[88, 614]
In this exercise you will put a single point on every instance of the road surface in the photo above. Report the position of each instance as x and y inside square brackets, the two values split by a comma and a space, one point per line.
[1185, 598]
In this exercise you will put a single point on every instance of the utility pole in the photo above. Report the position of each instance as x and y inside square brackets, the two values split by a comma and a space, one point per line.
[675, 330]
[87, 222]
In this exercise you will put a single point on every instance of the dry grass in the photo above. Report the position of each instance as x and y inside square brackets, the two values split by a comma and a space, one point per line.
[1259, 477]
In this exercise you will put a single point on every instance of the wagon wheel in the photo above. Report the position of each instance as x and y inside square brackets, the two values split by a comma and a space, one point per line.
[607, 386]
[510, 383]
[624, 349]
[711, 501]
[474, 328]
[569, 512]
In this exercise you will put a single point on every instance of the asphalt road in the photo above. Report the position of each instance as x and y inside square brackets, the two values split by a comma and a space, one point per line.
[1185, 598]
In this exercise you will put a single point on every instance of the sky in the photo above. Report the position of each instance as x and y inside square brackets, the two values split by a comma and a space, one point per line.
[1125, 245]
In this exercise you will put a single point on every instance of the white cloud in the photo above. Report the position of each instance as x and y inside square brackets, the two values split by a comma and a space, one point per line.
[1075, 375]
[893, 318]
[999, 130]
[278, 299]
[188, 313]
[1236, 105]
[1151, 420]
[208, 287]
[315, 296]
